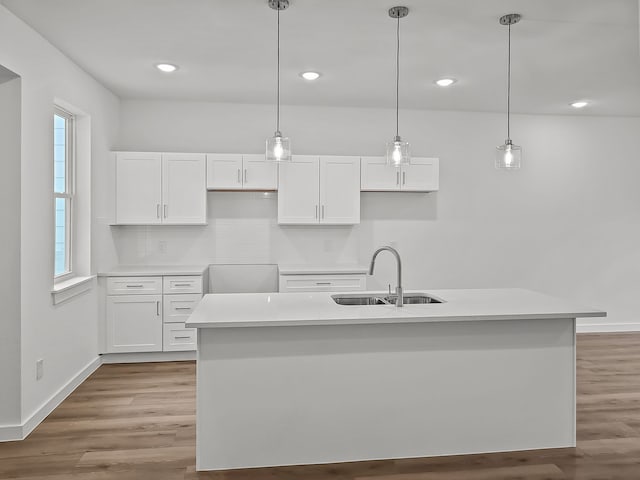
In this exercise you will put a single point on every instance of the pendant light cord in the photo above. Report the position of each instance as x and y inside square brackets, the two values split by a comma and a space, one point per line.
[397, 76]
[509, 86]
[278, 78]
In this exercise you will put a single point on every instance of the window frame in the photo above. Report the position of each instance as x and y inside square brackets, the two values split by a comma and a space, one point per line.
[69, 191]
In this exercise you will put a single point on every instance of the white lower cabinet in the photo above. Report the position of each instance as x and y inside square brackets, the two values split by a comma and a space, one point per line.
[322, 283]
[134, 323]
[148, 314]
[178, 338]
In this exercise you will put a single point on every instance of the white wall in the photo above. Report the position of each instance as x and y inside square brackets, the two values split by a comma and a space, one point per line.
[9, 254]
[65, 336]
[567, 223]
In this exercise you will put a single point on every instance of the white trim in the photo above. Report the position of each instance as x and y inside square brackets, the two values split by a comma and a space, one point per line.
[65, 290]
[20, 432]
[608, 327]
[148, 357]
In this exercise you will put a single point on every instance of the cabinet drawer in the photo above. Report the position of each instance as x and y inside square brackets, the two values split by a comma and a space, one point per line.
[322, 283]
[177, 308]
[134, 285]
[176, 337]
[183, 284]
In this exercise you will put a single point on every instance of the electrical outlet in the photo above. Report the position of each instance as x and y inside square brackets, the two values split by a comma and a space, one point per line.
[162, 246]
[39, 369]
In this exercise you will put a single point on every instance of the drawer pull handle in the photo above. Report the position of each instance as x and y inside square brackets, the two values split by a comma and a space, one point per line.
[158, 308]
[183, 308]
[323, 283]
[181, 284]
[184, 337]
[135, 286]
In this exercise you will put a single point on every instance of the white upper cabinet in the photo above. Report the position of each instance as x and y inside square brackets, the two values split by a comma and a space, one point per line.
[299, 191]
[421, 175]
[241, 172]
[138, 188]
[224, 171]
[339, 190]
[184, 193]
[319, 190]
[154, 188]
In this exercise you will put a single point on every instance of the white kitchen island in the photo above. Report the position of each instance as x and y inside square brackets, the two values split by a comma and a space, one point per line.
[294, 378]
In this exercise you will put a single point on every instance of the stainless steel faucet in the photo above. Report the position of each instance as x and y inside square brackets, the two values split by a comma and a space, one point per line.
[399, 296]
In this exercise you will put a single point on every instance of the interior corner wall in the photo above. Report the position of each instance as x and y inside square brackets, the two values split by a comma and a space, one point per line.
[566, 224]
[64, 336]
[9, 253]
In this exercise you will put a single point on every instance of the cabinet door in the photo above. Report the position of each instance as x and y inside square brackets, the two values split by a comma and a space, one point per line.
[299, 191]
[224, 171]
[134, 323]
[339, 190]
[258, 174]
[378, 176]
[138, 188]
[184, 192]
[422, 175]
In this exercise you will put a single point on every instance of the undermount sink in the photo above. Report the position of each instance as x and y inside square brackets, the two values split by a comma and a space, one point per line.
[377, 299]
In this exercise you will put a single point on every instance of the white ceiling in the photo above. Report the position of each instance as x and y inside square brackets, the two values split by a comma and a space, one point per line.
[563, 50]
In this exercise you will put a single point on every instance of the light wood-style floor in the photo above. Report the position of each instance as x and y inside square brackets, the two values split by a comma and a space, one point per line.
[137, 421]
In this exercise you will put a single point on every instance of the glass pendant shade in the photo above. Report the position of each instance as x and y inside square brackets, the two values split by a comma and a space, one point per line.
[398, 153]
[508, 156]
[278, 148]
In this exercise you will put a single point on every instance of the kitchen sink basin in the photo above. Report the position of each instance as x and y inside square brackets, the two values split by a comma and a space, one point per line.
[359, 300]
[371, 299]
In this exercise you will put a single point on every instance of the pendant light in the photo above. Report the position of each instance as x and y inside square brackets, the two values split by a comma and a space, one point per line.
[509, 155]
[398, 151]
[278, 147]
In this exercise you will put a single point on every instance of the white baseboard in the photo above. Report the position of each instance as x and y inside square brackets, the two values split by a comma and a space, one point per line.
[147, 357]
[10, 433]
[20, 432]
[608, 328]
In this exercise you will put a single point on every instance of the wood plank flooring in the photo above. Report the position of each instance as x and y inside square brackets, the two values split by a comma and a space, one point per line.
[137, 422]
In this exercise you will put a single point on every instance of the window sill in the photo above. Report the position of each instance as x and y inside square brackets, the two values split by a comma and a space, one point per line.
[67, 289]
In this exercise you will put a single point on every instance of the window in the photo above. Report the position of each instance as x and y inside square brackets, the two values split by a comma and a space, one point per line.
[63, 183]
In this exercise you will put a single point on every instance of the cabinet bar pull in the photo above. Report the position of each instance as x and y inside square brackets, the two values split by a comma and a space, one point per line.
[323, 283]
[245, 175]
[316, 211]
[158, 308]
[183, 308]
[181, 284]
[239, 176]
[398, 178]
[404, 178]
[135, 286]
[158, 210]
[165, 210]
[184, 337]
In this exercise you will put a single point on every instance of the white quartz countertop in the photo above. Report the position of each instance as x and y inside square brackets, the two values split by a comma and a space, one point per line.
[150, 270]
[298, 309]
[322, 270]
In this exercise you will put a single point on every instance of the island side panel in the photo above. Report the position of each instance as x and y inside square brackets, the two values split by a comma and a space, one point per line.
[322, 394]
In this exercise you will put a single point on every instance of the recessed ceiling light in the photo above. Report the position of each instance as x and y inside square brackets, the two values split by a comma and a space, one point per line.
[310, 75]
[166, 67]
[580, 104]
[445, 82]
